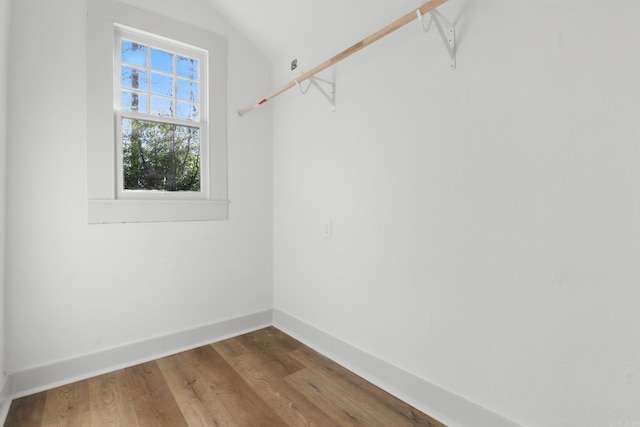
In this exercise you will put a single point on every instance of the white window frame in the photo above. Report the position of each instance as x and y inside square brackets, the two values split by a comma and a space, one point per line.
[153, 40]
[107, 201]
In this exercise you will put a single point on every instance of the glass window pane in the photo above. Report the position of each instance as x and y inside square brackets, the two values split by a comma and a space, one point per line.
[161, 60]
[161, 84]
[132, 78]
[160, 156]
[188, 90]
[133, 53]
[187, 67]
[161, 106]
[132, 101]
[188, 111]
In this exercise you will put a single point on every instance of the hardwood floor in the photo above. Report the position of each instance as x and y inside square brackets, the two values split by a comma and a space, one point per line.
[264, 378]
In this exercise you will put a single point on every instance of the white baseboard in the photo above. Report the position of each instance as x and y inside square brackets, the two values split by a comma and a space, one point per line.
[444, 406]
[5, 399]
[24, 383]
[4, 388]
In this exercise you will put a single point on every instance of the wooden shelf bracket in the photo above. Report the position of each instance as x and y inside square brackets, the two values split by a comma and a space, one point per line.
[315, 81]
[446, 30]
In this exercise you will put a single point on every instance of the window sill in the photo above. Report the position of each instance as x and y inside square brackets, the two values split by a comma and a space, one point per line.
[122, 211]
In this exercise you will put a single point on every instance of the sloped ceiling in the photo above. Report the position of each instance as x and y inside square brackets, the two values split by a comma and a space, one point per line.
[312, 30]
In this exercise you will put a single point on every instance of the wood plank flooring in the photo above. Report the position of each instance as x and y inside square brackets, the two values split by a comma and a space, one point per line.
[261, 379]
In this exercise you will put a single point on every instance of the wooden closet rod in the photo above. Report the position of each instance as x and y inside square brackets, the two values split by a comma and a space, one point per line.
[399, 23]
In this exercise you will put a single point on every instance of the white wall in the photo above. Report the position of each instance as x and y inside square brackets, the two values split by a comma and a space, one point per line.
[4, 48]
[75, 289]
[486, 230]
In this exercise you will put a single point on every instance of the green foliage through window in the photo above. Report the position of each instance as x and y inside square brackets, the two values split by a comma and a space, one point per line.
[160, 156]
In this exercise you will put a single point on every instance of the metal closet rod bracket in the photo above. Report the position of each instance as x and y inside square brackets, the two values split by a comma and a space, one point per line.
[315, 81]
[446, 30]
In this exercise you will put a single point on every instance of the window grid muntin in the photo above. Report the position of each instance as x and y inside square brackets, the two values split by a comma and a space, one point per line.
[175, 78]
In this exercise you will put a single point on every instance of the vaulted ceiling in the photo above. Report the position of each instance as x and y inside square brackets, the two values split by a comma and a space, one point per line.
[312, 30]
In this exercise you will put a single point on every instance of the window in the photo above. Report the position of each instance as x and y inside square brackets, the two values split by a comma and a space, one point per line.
[156, 118]
[160, 103]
